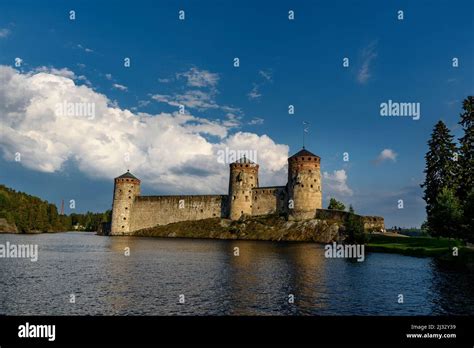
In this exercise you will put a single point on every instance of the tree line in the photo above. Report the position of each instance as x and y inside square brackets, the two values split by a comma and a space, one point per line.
[448, 189]
[30, 213]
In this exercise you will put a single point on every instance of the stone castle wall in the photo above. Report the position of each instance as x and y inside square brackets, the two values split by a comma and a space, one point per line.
[304, 186]
[150, 211]
[371, 223]
[268, 200]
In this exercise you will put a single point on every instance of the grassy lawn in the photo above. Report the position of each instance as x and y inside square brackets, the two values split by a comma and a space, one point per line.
[415, 246]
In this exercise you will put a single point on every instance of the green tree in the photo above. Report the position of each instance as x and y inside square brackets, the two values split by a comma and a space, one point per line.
[440, 168]
[334, 204]
[354, 229]
[466, 150]
[468, 218]
[446, 215]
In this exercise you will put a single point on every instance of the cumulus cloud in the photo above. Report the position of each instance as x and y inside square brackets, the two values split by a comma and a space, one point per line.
[172, 152]
[368, 55]
[64, 72]
[335, 184]
[386, 155]
[4, 32]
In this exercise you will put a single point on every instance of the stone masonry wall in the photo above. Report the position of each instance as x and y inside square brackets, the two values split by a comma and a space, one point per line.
[150, 211]
[268, 200]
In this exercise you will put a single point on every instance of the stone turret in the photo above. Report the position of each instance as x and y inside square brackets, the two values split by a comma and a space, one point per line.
[126, 188]
[304, 185]
[243, 178]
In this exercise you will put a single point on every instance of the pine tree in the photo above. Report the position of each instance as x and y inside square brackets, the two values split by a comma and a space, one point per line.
[440, 167]
[466, 150]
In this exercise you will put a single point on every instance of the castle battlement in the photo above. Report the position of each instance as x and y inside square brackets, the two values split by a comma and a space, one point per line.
[298, 199]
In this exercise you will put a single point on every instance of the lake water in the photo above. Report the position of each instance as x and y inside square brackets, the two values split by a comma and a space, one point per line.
[215, 282]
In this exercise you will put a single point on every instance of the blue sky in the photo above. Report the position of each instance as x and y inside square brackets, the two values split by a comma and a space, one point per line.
[282, 62]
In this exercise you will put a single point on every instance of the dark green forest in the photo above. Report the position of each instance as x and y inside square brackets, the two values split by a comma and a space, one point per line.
[448, 186]
[32, 214]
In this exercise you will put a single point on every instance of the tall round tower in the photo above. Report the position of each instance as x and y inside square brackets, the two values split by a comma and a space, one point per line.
[243, 178]
[126, 188]
[304, 185]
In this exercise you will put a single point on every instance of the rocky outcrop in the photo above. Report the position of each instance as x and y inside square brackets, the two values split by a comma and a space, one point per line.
[270, 227]
[6, 227]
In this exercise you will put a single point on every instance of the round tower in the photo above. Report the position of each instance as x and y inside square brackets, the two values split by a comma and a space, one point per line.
[304, 185]
[243, 178]
[126, 188]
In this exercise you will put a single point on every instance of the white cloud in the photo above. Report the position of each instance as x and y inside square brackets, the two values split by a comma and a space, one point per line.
[386, 154]
[64, 72]
[85, 49]
[108, 76]
[256, 121]
[4, 32]
[254, 93]
[164, 80]
[199, 78]
[169, 151]
[335, 184]
[266, 74]
[120, 87]
[368, 55]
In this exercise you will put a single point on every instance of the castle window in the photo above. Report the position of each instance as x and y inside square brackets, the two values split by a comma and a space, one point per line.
[129, 197]
[302, 185]
[246, 165]
[311, 186]
[233, 197]
[213, 214]
[126, 208]
[251, 177]
[201, 210]
[314, 180]
[123, 226]
[125, 218]
[246, 198]
[310, 170]
[241, 212]
[129, 191]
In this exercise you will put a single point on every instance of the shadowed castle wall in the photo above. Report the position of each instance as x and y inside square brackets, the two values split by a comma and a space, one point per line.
[149, 211]
[268, 200]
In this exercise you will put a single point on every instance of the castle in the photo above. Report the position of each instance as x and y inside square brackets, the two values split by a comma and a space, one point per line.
[298, 200]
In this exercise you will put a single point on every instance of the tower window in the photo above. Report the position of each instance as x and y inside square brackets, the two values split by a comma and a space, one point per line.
[302, 185]
[129, 197]
[126, 208]
[129, 191]
[233, 197]
[201, 210]
[311, 186]
[123, 226]
[246, 198]
[125, 218]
